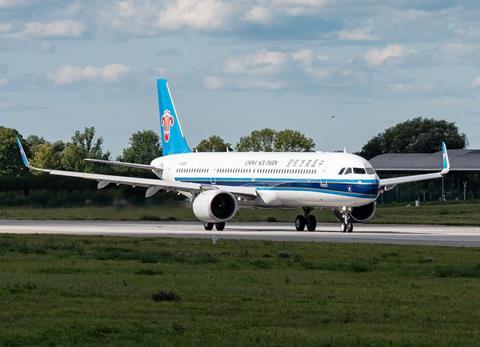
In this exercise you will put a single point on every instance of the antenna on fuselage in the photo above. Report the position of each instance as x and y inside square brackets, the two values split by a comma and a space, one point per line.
[345, 150]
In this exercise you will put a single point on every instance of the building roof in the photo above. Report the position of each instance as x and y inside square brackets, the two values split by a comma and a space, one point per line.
[460, 160]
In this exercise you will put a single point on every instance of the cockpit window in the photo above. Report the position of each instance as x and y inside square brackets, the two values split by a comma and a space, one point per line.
[359, 171]
[341, 171]
[370, 171]
[348, 171]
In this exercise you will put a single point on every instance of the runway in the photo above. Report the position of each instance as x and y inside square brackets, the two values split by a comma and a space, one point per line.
[369, 233]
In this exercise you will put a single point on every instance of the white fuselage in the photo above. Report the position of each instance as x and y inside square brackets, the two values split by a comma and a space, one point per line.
[281, 179]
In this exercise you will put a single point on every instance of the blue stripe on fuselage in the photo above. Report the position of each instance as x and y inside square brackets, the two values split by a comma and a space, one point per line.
[350, 188]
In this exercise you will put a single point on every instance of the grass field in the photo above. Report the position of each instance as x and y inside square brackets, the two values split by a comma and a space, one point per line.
[59, 290]
[446, 214]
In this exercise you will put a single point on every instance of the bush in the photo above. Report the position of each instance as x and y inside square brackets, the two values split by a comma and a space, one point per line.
[165, 296]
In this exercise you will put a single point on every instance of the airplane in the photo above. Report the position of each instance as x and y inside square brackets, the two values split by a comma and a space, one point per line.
[219, 183]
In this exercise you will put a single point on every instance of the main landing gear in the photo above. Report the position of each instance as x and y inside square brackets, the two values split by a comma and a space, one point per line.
[307, 220]
[218, 226]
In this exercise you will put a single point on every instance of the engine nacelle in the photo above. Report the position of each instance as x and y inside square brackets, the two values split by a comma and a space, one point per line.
[360, 214]
[363, 214]
[215, 206]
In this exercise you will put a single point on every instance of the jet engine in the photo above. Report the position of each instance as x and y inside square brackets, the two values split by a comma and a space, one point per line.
[360, 214]
[215, 206]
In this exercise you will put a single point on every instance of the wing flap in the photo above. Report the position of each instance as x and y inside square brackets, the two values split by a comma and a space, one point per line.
[152, 185]
[124, 164]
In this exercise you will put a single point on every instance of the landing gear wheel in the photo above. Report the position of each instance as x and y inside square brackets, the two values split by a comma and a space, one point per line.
[311, 222]
[349, 227]
[343, 228]
[300, 223]
[208, 226]
[220, 226]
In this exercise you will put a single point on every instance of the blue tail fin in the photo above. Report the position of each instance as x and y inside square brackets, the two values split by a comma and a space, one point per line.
[173, 141]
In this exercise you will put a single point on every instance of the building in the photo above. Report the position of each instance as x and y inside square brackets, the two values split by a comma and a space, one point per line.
[461, 184]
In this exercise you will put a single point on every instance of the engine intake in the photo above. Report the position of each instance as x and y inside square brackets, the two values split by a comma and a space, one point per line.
[215, 206]
[360, 214]
[363, 214]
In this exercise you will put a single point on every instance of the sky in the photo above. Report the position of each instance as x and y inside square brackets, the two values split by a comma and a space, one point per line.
[236, 66]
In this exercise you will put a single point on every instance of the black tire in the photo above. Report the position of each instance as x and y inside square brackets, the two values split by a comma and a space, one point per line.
[220, 226]
[300, 223]
[311, 222]
[208, 226]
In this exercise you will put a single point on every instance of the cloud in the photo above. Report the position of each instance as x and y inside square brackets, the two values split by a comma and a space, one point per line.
[147, 18]
[272, 70]
[358, 34]
[257, 19]
[53, 29]
[260, 62]
[3, 81]
[10, 4]
[259, 15]
[213, 82]
[457, 53]
[377, 57]
[20, 107]
[68, 74]
[5, 28]
[476, 82]
[196, 14]
[298, 7]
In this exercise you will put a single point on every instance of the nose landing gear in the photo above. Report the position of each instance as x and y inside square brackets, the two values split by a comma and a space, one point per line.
[307, 220]
[347, 224]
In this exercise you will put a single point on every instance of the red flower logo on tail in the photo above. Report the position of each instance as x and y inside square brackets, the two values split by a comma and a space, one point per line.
[167, 123]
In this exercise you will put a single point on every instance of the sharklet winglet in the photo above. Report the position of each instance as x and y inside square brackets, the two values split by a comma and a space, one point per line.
[22, 153]
[445, 159]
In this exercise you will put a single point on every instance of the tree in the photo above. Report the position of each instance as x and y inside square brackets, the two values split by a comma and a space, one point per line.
[144, 147]
[269, 140]
[83, 146]
[10, 160]
[87, 145]
[418, 135]
[258, 140]
[213, 144]
[293, 141]
[34, 141]
[48, 155]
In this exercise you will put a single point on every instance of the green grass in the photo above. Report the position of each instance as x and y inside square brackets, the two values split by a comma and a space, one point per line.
[446, 214]
[59, 290]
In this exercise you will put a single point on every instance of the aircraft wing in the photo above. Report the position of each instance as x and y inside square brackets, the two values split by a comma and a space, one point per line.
[152, 185]
[390, 183]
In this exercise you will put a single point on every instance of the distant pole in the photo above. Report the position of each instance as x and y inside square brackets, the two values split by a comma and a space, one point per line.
[443, 189]
[465, 190]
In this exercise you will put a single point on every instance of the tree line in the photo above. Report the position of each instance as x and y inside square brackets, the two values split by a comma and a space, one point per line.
[416, 135]
[419, 135]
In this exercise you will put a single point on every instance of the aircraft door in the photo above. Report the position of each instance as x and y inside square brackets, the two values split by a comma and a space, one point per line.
[323, 179]
[213, 175]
